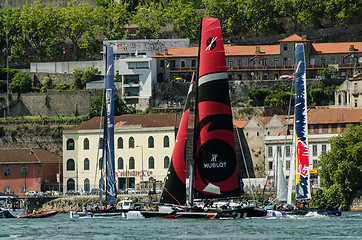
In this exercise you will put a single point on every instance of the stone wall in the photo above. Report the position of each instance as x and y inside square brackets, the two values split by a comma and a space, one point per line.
[51, 103]
[57, 78]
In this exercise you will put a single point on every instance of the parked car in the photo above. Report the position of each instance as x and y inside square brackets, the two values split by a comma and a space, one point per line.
[32, 194]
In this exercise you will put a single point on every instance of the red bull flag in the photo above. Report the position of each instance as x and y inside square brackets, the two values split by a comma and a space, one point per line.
[300, 141]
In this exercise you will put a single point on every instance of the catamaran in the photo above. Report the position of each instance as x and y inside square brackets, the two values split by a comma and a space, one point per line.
[213, 173]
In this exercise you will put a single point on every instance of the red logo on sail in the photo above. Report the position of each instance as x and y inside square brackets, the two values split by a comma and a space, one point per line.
[211, 43]
[303, 159]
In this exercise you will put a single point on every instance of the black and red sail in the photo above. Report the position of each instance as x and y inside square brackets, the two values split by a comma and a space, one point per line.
[174, 191]
[216, 171]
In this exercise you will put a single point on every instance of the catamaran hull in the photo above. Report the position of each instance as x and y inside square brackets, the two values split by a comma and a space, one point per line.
[303, 212]
[89, 214]
[220, 214]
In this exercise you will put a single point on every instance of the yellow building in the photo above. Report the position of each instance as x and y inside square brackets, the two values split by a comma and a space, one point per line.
[143, 144]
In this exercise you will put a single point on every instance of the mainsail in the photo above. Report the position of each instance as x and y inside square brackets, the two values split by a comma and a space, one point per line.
[300, 134]
[216, 170]
[108, 140]
[174, 191]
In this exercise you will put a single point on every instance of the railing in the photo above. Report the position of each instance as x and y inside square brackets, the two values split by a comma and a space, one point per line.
[269, 67]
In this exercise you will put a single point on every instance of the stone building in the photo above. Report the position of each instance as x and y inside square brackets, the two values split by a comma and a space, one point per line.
[266, 62]
[349, 93]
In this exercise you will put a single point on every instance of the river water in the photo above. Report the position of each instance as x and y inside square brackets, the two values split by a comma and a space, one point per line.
[348, 226]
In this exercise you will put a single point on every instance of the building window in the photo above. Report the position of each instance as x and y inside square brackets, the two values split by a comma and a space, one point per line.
[131, 79]
[279, 150]
[6, 171]
[24, 171]
[70, 165]
[270, 165]
[230, 63]
[320, 129]
[166, 162]
[315, 162]
[183, 63]
[323, 61]
[151, 163]
[70, 184]
[86, 164]
[311, 127]
[138, 65]
[100, 144]
[193, 63]
[131, 142]
[314, 150]
[329, 128]
[162, 63]
[270, 151]
[285, 61]
[24, 189]
[7, 189]
[86, 185]
[285, 47]
[166, 142]
[287, 151]
[151, 142]
[120, 163]
[131, 163]
[120, 143]
[86, 144]
[287, 165]
[276, 62]
[324, 147]
[100, 163]
[70, 144]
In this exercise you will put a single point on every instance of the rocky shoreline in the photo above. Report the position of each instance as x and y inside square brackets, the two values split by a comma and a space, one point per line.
[76, 203]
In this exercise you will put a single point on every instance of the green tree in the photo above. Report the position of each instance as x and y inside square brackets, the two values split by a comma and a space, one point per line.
[260, 15]
[40, 25]
[225, 10]
[79, 21]
[81, 76]
[114, 17]
[184, 18]
[341, 168]
[96, 106]
[21, 83]
[149, 19]
[258, 96]
[12, 30]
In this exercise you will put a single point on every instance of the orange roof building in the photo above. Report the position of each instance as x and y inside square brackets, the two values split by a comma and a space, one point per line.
[265, 62]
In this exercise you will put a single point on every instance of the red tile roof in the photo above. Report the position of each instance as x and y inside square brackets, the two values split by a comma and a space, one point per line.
[339, 47]
[264, 120]
[240, 123]
[27, 155]
[292, 38]
[146, 121]
[334, 115]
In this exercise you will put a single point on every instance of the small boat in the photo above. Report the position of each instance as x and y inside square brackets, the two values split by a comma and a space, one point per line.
[38, 215]
[214, 167]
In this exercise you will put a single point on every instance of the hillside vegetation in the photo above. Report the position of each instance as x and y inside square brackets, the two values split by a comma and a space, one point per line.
[41, 33]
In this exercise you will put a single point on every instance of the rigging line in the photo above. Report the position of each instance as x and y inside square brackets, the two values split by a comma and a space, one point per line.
[243, 156]
[99, 135]
[172, 196]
